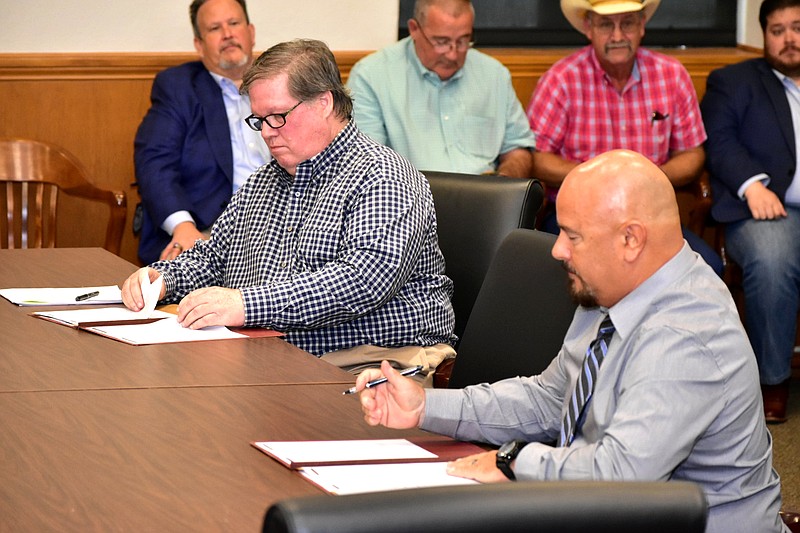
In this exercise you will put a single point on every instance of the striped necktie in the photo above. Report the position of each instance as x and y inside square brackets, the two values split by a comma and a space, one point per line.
[584, 386]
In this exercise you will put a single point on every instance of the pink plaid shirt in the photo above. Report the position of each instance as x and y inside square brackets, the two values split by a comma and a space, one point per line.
[577, 113]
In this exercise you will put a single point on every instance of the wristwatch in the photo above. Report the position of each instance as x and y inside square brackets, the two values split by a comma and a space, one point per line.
[506, 454]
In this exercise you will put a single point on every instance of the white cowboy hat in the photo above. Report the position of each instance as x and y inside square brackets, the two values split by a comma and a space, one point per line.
[575, 10]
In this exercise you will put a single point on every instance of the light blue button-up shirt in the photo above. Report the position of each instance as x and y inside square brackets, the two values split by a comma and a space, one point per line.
[458, 125]
[677, 398]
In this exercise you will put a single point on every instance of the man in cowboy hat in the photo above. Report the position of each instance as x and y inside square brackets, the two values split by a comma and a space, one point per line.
[614, 94]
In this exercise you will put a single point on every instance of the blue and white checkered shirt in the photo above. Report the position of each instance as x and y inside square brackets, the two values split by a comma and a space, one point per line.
[344, 254]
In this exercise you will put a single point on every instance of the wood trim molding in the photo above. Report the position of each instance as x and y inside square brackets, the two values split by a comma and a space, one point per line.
[84, 89]
[142, 65]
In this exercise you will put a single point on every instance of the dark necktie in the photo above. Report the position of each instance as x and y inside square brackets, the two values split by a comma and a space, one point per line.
[584, 386]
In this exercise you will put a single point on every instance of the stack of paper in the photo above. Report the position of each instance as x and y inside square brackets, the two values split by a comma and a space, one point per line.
[355, 466]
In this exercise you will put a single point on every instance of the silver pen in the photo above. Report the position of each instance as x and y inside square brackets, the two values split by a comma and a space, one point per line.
[375, 382]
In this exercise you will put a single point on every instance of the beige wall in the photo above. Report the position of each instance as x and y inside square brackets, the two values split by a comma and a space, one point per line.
[749, 31]
[163, 25]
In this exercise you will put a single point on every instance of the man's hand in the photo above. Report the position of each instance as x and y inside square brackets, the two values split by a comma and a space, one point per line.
[183, 237]
[399, 403]
[763, 203]
[132, 289]
[480, 467]
[211, 306]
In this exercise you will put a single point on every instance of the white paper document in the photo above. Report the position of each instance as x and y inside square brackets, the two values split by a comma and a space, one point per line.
[354, 479]
[292, 453]
[99, 316]
[110, 294]
[162, 332]
[107, 316]
[150, 292]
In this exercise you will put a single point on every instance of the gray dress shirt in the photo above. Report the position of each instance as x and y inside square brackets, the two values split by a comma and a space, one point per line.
[677, 397]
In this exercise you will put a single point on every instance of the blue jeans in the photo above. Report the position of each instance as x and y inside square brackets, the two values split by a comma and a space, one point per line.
[769, 253]
[550, 225]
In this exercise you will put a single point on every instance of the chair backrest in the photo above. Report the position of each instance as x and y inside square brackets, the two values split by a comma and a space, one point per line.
[474, 214]
[521, 314]
[31, 175]
[544, 507]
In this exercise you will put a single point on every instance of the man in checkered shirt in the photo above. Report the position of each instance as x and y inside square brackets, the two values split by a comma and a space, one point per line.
[333, 242]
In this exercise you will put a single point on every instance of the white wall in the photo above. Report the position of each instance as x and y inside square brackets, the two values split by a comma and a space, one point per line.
[163, 25]
[748, 29]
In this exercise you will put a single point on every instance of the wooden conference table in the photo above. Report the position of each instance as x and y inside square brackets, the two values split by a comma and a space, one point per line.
[99, 435]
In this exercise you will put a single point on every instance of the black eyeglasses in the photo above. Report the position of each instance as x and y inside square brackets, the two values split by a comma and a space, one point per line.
[274, 121]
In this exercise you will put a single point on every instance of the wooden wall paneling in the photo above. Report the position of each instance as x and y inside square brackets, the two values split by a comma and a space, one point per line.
[91, 104]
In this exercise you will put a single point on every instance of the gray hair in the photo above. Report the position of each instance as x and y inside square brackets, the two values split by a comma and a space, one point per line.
[454, 7]
[311, 69]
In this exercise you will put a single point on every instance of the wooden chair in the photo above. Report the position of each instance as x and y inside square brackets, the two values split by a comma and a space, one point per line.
[694, 201]
[31, 175]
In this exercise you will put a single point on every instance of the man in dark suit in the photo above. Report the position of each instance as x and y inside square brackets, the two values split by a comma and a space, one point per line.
[752, 116]
[193, 148]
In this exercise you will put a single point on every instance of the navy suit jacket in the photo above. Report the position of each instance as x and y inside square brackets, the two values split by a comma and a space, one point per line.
[182, 154]
[749, 127]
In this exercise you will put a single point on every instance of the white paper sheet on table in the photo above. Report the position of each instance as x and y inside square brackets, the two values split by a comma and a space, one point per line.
[109, 294]
[111, 315]
[162, 332]
[355, 479]
[338, 451]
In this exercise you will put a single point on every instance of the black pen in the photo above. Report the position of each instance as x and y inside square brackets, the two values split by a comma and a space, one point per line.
[86, 296]
[658, 116]
[375, 382]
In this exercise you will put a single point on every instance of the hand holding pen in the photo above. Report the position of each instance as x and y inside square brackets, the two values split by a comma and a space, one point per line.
[399, 405]
[375, 382]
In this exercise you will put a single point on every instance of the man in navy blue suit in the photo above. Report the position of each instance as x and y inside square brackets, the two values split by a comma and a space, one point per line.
[193, 148]
[752, 117]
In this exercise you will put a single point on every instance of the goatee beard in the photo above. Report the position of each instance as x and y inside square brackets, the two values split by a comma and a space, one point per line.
[791, 70]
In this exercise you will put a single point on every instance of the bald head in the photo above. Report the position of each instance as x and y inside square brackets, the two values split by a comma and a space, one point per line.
[618, 213]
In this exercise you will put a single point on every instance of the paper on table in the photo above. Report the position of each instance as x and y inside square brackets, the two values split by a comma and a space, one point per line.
[162, 332]
[298, 453]
[108, 316]
[99, 316]
[150, 292]
[354, 479]
[109, 294]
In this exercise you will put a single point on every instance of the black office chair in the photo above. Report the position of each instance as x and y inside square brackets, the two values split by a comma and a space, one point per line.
[521, 314]
[544, 507]
[474, 214]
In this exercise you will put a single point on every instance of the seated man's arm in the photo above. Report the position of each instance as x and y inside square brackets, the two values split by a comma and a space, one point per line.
[551, 168]
[158, 146]
[367, 111]
[729, 158]
[184, 235]
[684, 166]
[517, 163]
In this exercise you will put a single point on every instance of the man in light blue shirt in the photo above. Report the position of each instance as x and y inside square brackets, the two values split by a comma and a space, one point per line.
[675, 393]
[443, 105]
